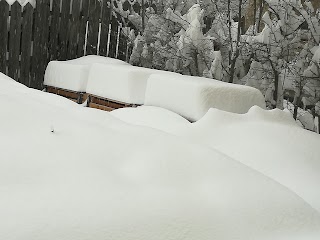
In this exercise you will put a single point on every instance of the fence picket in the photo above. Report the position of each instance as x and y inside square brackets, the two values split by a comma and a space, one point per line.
[113, 37]
[4, 16]
[31, 37]
[14, 41]
[26, 39]
[93, 26]
[40, 43]
[105, 21]
[83, 27]
[64, 27]
[54, 30]
[74, 30]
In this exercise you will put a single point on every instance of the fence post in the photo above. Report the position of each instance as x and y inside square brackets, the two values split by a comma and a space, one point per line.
[105, 22]
[74, 30]
[93, 26]
[64, 28]
[113, 37]
[83, 28]
[26, 44]
[54, 30]
[4, 16]
[14, 41]
[40, 43]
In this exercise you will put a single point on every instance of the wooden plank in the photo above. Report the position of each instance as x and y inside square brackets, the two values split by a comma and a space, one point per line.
[113, 37]
[26, 44]
[54, 30]
[105, 22]
[4, 16]
[78, 97]
[83, 27]
[93, 26]
[14, 41]
[100, 107]
[64, 27]
[40, 44]
[74, 30]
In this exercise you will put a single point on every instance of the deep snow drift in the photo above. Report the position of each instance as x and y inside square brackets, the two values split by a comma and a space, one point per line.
[268, 141]
[74, 173]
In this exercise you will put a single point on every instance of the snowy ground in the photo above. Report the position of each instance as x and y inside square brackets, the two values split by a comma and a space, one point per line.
[74, 173]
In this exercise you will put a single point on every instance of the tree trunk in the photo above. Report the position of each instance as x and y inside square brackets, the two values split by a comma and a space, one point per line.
[276, 87]
[143, 13]
[237, 52]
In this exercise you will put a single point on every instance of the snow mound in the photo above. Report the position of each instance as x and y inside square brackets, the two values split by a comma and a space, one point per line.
[68, 172]
[192, 97]
[154, 117]
[267, 141]
[120, 83]
[73, 74]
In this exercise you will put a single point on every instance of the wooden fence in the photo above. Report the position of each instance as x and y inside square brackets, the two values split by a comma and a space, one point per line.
[30, 36]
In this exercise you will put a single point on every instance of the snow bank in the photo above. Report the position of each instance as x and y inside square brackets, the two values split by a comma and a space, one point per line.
[192, 97]
[73, 74]
[68, 172]
[121, 83]
[267, 141]
[154, 117]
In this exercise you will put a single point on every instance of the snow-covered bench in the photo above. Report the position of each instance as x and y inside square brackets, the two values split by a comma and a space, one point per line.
[69, 78]
[192, 97]
[115, 86]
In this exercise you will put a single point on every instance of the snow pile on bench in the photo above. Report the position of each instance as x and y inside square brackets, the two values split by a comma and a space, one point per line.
[192, 97]
[73, 74]
[121, 83]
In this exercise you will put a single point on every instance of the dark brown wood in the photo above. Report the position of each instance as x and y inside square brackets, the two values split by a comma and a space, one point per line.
[100, 107]
[83, 27]
[14, 41]
[78, 97]
[64, 30]
[105, 22]
[4, 16]
[106, 104]
[54, 30]
[93, 27]
[74, 30]
[26, 44]
[113, 37]
[40, 44]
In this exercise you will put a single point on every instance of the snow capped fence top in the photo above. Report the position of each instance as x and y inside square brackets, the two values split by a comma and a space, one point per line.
[34, 32]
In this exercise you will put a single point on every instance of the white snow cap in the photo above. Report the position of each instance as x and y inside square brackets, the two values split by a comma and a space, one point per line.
[192, 97]
[73, 74]
[121, 83]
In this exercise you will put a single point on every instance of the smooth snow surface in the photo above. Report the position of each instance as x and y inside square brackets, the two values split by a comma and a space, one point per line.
[154, 117]
[73, 74]
[192, 97]
[121, 83]
[267, 141]
[74, 173]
